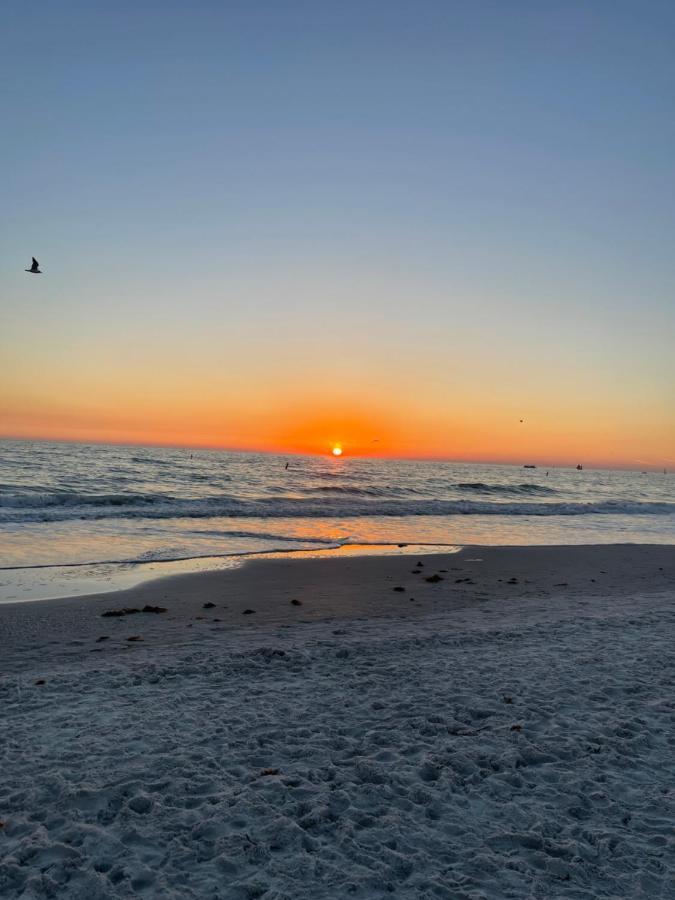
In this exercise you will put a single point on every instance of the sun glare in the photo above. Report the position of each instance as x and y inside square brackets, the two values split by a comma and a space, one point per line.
[337, 450]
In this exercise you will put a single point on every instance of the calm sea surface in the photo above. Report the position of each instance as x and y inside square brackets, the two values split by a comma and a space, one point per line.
[103, 516]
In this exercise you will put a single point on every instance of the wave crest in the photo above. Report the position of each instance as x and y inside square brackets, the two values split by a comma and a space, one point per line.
[532, 490]
[69, 505]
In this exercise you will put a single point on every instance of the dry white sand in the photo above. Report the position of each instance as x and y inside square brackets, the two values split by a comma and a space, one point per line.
[488, 740]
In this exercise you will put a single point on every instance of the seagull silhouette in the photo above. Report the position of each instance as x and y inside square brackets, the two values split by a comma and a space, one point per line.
[35, 268]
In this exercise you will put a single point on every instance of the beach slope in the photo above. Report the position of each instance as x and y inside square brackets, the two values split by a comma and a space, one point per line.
[509, 735]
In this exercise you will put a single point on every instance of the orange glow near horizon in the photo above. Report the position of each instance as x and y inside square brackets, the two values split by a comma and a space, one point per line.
[462, 438]
[388, 417]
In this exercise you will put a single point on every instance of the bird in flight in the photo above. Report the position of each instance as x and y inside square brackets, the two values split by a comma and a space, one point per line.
[35, 268]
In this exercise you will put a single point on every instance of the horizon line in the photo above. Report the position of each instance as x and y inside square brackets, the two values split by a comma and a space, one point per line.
[267, 452]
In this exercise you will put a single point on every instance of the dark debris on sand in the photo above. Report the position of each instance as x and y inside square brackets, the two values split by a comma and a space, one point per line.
[132, 610]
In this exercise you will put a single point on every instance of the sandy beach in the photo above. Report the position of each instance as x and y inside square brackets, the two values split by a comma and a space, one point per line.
[491, 723]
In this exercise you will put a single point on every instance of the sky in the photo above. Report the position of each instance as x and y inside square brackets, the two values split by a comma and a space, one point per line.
[402, 227]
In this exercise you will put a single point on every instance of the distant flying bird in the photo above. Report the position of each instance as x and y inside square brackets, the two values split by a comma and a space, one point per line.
[35, 268]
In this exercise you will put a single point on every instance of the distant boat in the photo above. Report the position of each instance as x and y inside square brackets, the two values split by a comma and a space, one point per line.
[579, 467]
[529, 467]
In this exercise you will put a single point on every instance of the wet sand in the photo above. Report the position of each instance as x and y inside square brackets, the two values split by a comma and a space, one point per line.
[326, 589]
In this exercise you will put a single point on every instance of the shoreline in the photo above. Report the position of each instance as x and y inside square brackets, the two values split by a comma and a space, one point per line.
[291, 592]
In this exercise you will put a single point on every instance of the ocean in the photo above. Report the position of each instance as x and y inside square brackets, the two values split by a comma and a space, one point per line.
[77, 518]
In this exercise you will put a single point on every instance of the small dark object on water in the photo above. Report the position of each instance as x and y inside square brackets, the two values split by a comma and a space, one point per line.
[561, 584]
[153, 609]
[217, 620]
[40, 681]
[419, 564]
[296, 602]
[399, 589]
[442, 570]
[135, 637]
[432, 579]
[402, 545]
[209, 605]
[248, 612]
[127, 611]
[512, 581]
[516, 728]
[270, 772]
[104, 637]
[415, 571]
[508, 699]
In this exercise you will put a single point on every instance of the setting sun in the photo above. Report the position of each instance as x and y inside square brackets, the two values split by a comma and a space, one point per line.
[337, 451]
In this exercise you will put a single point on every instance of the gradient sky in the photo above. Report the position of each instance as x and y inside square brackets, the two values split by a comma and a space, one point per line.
[279, 225]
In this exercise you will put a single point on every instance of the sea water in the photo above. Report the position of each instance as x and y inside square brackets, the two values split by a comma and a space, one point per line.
[76, 517]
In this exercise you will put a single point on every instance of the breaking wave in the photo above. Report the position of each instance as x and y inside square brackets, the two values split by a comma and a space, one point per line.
[71, 505]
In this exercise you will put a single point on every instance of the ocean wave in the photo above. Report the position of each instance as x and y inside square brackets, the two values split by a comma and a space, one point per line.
[149, 461]
[68, 506]
[532, 490]
[35, 499]
[347, 490]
